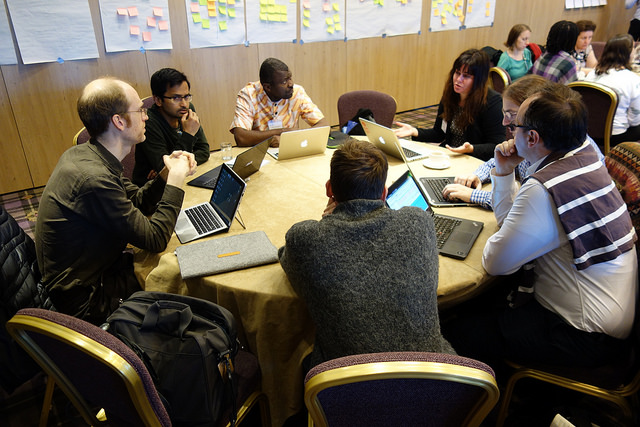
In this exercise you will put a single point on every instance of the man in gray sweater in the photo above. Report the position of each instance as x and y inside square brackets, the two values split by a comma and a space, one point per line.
[367, 273]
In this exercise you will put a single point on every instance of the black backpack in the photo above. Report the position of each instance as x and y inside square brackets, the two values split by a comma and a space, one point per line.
[188, 345]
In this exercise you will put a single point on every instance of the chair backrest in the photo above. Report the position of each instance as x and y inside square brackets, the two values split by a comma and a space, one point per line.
[81, 137]
[405, 388]
[92, 367]
[601, 102]
[623, 164]
[598, 48]
[499, 79]
[382, 106]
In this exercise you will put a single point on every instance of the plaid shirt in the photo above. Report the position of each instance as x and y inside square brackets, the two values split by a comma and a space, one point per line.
[560, 68]
[254, 109]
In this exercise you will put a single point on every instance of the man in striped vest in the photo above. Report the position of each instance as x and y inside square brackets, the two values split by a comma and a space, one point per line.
[569, 220]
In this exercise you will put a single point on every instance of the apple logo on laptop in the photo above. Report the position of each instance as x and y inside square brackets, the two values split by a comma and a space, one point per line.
[381, 139]
[304, 143]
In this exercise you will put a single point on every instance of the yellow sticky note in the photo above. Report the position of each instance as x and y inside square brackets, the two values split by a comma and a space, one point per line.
[488, 5]
[305, 22]
[263, 2]
[444, 20]
[206, 23]
[222, 10]
[222, 1]
[211, 6]
[330, 30]
[461, 18]
[134, 30]
[329, 21]
[338, 27]
[213, 12]
[271, 1]
[231, 2]
[146, 36]
[284, 18]
[336, 7]
[263, 17]
[468, 9]
[203, 2]
[157, 11]
[196, 18]
[231, 12]
[273, 17]
[336, 18]
[133, 11]
[434, 4]
[163, 25]
[222, 25]
[436, 12]
[469, 1]
[306, 13]
[487, 13]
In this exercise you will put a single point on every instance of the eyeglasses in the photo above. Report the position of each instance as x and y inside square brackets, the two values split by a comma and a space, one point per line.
[512, 127]
[178, 98]
[509, 115]
[142, 111]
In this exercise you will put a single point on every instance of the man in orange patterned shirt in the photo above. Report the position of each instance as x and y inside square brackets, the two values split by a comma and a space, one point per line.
[273, 105]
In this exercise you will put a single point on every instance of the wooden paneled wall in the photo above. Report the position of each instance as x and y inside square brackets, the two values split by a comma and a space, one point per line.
[37, 102]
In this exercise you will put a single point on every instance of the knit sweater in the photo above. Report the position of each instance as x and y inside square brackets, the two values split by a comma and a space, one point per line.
[369, 276]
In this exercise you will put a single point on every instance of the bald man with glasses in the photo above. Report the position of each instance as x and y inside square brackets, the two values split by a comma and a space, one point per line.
[173, 125]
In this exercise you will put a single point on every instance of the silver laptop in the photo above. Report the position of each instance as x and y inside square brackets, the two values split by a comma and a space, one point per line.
[454, 236]
[217, 214]
[386, 140]
[247, 163]
[299, 143]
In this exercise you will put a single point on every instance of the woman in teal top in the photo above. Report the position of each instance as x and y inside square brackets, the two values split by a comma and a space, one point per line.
[517, 59]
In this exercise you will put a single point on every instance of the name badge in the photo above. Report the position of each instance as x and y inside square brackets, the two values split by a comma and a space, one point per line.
[444, 126]
[275, 124]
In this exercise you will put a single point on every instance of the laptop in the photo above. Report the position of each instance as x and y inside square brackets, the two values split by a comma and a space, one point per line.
[433, 186]
[247, 163]
[299, 143]
[216, 215]
[386, 140]
[454, 236]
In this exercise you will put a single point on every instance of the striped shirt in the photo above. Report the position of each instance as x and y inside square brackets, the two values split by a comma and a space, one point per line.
[254, 109]
[591, 210]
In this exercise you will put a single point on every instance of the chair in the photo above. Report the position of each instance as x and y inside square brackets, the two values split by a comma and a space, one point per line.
[402, 389]
[499, 79]
[623, 164]
[92, 367]
[129, 160]
[614, 382]
[598, 48]
[382, 106]
[601, 102]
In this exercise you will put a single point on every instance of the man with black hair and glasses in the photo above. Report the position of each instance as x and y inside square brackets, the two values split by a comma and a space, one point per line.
[173, 125]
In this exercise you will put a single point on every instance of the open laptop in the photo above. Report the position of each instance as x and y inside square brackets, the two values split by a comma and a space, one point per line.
[386, 140]
[247, 163]
[433, 186]
[454, 236]
[299, 143]
[215, 215]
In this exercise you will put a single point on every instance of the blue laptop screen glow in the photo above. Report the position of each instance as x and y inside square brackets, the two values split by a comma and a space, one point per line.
[406, 194]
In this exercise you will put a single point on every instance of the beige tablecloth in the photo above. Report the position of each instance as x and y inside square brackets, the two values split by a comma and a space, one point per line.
[273, 322]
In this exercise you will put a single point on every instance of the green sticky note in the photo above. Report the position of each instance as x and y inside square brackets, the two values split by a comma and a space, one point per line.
[196, 18]
[203, 2]
[222, 25]
[205, 23]
[231, 12]
[222, 10]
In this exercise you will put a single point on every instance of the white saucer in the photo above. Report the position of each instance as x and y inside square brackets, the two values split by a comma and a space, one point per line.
[438, 164]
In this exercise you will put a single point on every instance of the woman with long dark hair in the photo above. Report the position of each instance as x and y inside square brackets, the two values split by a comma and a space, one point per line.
[614, 70]
[470, 113]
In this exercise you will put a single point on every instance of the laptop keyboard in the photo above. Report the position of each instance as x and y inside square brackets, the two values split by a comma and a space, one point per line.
[202, 219]
[410, 154]
[444, 227]
[437, 185]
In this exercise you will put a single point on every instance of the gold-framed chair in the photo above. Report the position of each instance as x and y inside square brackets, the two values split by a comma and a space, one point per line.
[601, 102]
[400, 388]
[382, 105]
[499, 79]
[102, 377]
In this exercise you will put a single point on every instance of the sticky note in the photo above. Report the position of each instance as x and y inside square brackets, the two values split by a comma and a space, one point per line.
[306, 4]
[330, 30]
[274, 18]
[163, 25]
[336, 18]
[146, 36]
[469, 1]
[203, 2]
[284, 18]
[211, 6]
[436, 12]
[134, 30]
[196, 18]
[263, 2]
[338, 27]
[329, 21]
[223, 1]
[306, 13]
[231, 2]
[263, 17]
[133, 11]
[326, 7]
[195, 8]
[206, 23]
[468, 9]
[444, 20]
[222, 25]
[222, 10]
[157, 11]
[122, 11]
[231, 12]
[488, 13]
[305, 23]
[488, 5]
[434, 4]
[213, 12]
[151, 21]
[336, 7]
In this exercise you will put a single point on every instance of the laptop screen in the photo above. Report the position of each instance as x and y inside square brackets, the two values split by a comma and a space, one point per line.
[226, 195]
[405, 192]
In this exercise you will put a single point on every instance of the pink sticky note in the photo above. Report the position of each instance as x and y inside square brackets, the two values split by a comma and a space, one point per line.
[133, 11]
[146, 36]
[195, 8]
[306, 4]
[151, 21]
[157, 11]
[122, 11]
[326, 7]
[163, 25]
[134, 30]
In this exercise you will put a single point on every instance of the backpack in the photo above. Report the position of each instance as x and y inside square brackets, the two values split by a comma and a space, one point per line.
[494, 55]
[188, 345]
[353, 126]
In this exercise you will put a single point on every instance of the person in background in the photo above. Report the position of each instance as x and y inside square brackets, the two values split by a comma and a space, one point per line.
[361, 299]
[569, 220]
[90, 212]
[173, 125]
[469, 117]
[634, 25]
[468, 188]
[614, 70]
[266, 108]
[517, 59]
[583, 53]
[557, 64]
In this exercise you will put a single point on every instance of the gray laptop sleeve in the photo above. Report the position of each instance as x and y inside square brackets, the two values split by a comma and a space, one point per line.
[225, 254]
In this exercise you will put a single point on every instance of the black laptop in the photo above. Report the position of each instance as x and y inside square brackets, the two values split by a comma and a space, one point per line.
[247, 163]
[455, 236]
